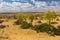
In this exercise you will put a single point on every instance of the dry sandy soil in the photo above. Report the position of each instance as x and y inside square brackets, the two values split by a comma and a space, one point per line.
[14, 32]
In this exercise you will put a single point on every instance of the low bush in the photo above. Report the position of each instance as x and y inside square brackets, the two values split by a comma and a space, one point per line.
[53, 22]
[26, 25]
[57, 32]
[37, 28]
[1, 21]
[18, 22]
[42, 28]
[51, 30]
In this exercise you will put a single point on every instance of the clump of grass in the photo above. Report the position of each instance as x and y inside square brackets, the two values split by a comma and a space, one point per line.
[2, 26]
[39, 22]
[1, 21]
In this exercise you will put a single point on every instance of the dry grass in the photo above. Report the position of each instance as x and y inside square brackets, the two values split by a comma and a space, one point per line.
[14, 32]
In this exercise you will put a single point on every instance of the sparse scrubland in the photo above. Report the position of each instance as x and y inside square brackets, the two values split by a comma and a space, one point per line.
[31, 25]
[41, 27]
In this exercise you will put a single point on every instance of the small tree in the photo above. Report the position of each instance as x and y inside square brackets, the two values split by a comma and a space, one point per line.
[31, 17]
[20, 17]
[50, 15]
[54, 15]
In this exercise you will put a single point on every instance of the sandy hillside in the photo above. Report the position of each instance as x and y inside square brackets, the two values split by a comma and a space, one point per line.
[14, 32]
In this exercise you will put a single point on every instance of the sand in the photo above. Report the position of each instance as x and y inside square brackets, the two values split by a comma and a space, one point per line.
[14, 32]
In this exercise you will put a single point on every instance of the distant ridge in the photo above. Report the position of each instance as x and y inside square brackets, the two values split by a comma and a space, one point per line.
[19, 12]
[23, 12]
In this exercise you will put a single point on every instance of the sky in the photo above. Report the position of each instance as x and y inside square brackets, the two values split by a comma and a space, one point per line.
[29, 5]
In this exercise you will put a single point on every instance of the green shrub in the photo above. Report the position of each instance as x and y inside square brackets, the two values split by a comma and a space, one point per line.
[25, 25]
[18, 22]
[37, 28]
[53, 22]
[52, 31]
[42, 28]
[57, 32]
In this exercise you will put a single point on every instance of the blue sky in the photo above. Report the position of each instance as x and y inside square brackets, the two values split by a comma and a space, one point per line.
[29, 5]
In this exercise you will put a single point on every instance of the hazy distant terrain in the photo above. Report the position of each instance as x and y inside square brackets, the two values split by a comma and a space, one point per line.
[2, 14]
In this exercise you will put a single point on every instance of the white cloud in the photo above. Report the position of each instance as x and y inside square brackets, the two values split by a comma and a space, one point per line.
[26, 7]
[15, 0]
[39, 4]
